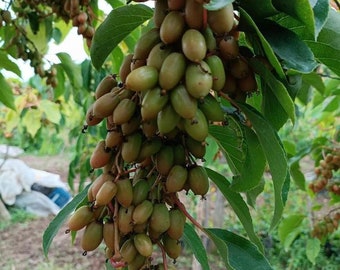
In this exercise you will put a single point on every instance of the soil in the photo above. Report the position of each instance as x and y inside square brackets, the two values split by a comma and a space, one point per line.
[21, 244]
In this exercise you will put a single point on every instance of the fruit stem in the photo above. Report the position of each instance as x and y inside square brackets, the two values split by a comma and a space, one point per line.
[205, 18]
[181, 207]
[116, 255]
[119, 169]
[163, 255]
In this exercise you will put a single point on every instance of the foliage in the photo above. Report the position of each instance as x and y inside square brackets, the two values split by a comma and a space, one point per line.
[288, 45]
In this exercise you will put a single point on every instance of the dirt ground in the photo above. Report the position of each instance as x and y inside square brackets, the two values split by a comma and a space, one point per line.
[21, 244]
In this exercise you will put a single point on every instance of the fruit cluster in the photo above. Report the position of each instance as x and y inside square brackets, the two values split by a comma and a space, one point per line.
[329, 165]
[326, 226]
[157, 111]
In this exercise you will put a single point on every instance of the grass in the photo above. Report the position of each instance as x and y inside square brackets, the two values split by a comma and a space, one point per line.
[17, 216]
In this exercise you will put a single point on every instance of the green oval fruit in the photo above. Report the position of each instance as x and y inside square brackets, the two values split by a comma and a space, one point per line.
[124, 193]
[211, 108]
[176, 179]
[113, 138]
[152, 103]
[179, 155]
[109, 235]
[128, 251]
[177, 222]
[125, 67]
[194, 14]
[221, 21]
[125, 224]
[105, 85]
[140, 191]
[172, 70]
[239, 68]
[167, 119]
[90, 119]
[149, 148]
[149, 128]
[198, 79]
[172, 27]
[137, 263]
[131, 147]
[160, 11]
[198, 180]
[142, 212]
[100, 156]
[124, 111]
[196, 148]
[176, 4]
[80, 218]
[229, 48]
[183, 103]
[106, 193]
[157, 55]
[104, 105]
[217, 71]
[93, 236]
[197, 128]
[230, 87]
[145, 44]
[160, 218]
[247, 84]
[99, 181]
[210, 40]
[142, 78]
[143, 244]
[164, 160]
[193, 45]
[140, 228]
[171, 246]
[131, 126]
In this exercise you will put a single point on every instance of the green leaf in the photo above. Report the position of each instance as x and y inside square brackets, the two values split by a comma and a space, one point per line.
[230, 139]
[293, 52]
[315, 81]
[6, 94]
[254, 193]
[312, 249]
[40, 38]
[54, 226]
[251, 6]
[222, 247]
[298, 9]
[252, 170]
[289, 229]
[217, 4]
[320, 9]
[51, 110]
[32, 121]
[71, 69]
[297, 176]
[326, 48]
[8, 64]
[12, 120]
[195, 243]
[117, 25]
[237, 251]
[248, 25]
[237, 203]
[277, 88]
[60, 89]
[276, 157]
